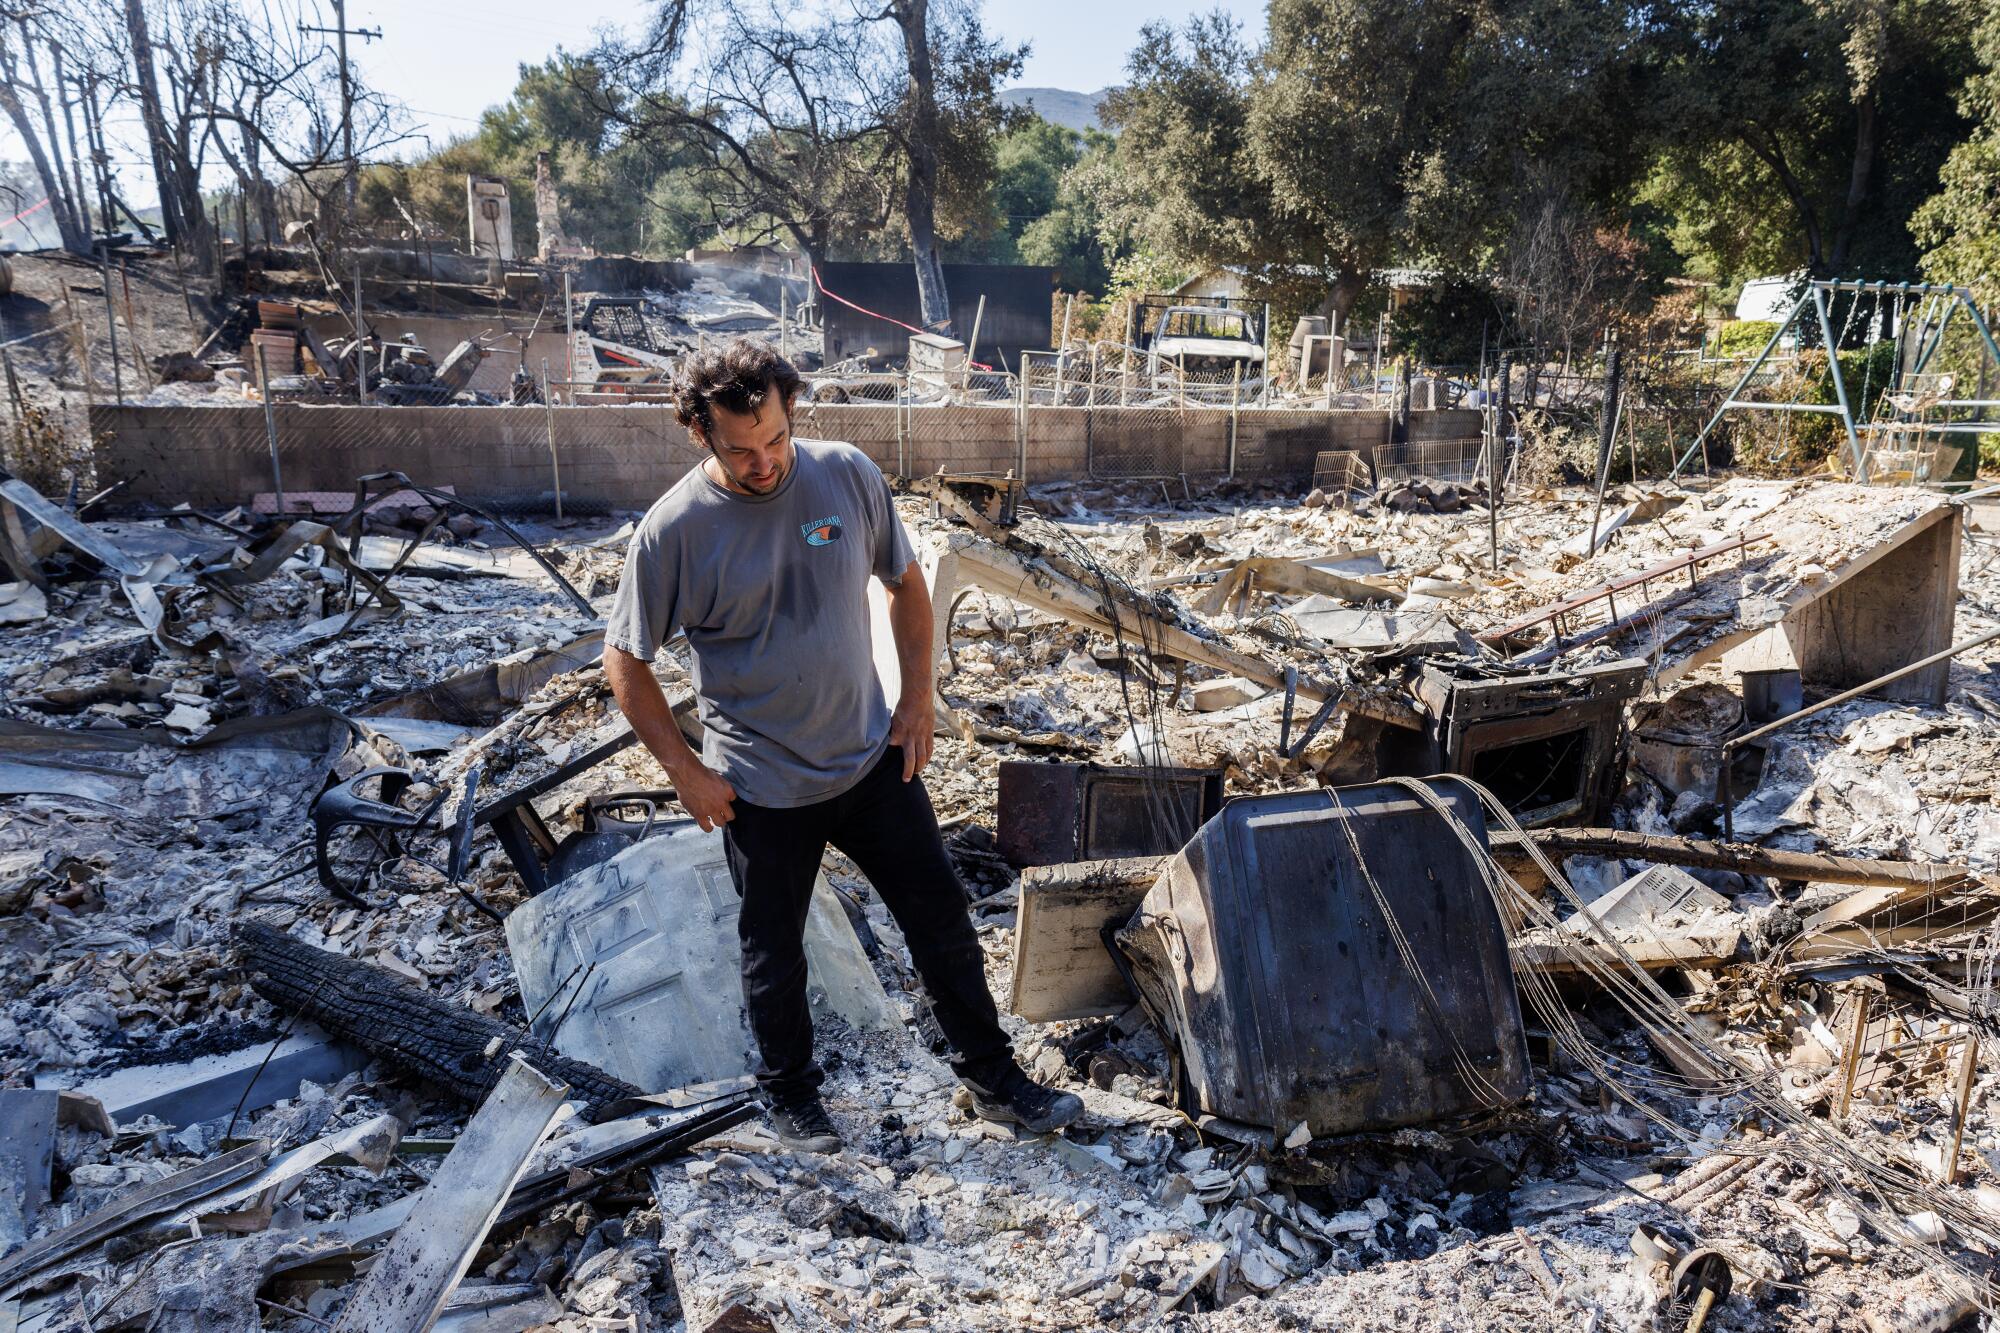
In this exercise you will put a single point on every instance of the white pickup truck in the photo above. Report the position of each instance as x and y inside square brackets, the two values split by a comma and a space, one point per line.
[1205, 343]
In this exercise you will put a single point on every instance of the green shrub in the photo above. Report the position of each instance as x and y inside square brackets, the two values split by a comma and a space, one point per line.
[1806, 441]
[1741, 339]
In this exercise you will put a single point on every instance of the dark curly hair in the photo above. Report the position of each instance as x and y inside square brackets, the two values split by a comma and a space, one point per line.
[737, 376]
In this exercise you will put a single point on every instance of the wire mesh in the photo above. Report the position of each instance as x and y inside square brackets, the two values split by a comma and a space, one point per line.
[1461, 460]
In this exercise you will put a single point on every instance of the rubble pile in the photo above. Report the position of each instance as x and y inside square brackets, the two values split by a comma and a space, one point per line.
[1767, 1050]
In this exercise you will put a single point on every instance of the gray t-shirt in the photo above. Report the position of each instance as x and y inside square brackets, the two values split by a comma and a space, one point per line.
[772, 591]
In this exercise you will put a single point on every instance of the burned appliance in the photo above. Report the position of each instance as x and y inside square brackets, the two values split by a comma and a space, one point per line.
[1550, 745]
[1332, 957]
[1051, 813]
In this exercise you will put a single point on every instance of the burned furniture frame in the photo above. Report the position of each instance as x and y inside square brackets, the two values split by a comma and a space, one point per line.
[1055, 813]
[391, 830]
[533, 850]
[523, 835]
[443, 502]
[1549, 744]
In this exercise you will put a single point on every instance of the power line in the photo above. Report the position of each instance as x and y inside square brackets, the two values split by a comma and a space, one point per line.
[343, 32]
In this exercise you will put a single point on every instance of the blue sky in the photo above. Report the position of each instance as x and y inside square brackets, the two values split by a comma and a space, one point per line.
[448, 60]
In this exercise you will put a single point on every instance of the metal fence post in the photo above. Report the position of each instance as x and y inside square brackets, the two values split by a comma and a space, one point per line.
[111, 326]
[1235, 399]
[271, 427]
[549, 414]
[360, 343]
[1021, 423]
[1090, 416]
[1264, 394]
[569, 341]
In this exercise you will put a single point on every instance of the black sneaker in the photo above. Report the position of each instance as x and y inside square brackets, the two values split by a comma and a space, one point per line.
[805, 1127]
[1019, 1100]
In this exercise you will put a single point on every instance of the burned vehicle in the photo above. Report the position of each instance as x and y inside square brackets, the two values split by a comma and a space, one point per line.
[1205, 346]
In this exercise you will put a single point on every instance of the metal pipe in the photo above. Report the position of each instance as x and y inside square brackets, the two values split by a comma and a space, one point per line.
[1840, 385]
[1751, 370]
[1496, 467]
[1607, 438]
[972, 348]
[1724, 795]
[1829, 409]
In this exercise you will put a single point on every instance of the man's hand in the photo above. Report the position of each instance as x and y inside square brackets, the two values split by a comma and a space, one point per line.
[910, 728]
[705, 794]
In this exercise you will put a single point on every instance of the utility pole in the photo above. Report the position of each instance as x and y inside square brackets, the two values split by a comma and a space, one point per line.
[342, 32]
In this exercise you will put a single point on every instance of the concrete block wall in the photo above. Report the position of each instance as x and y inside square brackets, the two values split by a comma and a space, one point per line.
[623, 457]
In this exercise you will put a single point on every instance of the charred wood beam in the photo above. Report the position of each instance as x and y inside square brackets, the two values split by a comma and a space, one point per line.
[381, 1012]
[1744, 859]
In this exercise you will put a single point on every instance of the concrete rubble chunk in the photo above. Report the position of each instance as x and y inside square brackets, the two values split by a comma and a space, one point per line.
[1227, 692]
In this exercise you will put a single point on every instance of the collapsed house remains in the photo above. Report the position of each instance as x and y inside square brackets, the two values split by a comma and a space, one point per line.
[325, 834]
[1577, 911]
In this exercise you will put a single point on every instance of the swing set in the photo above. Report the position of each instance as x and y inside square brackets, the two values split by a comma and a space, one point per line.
[1914, 406]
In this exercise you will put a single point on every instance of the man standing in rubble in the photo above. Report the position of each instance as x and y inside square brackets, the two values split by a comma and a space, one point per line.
[762, 555]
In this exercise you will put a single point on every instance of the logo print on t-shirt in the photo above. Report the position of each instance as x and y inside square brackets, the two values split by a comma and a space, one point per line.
[822, 531]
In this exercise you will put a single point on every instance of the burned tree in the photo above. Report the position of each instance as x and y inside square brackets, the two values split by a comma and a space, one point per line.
[447, 1044]
[819, 128]
[22, 29]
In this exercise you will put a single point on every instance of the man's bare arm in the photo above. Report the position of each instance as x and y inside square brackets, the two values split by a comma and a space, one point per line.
[702, 792]
[915, 717]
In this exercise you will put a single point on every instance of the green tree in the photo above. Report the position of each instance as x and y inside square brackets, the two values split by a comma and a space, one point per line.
[1078, 237]
[1040, 207]
[1365, 135]
[1184, 189]
[1805, 133]
[1960, 224]
[612, 184]
[1028, 166]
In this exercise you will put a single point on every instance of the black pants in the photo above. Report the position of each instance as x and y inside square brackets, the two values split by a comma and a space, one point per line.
[887, 827]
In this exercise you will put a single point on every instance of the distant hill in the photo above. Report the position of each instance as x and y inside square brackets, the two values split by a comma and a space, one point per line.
[1076, 110]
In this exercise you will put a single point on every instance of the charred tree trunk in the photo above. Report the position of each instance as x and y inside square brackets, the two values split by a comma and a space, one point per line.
[383, 1013]
[61, 200]
[47, 171]
[1349, 281]
[921, 174]
[100, 160]
[171, 223]
[79, 195]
